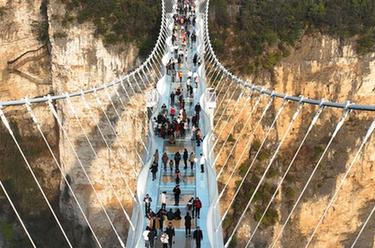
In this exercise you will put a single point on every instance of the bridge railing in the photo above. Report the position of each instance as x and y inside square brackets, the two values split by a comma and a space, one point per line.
[211, 56]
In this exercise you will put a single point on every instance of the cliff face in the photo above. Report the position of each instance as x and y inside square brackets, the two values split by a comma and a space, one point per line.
[52, 58]
[319, 67]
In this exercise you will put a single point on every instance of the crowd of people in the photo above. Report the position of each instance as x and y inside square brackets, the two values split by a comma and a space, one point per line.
[179, 120]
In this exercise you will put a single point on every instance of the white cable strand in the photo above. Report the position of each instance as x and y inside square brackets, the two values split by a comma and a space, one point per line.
[17, 214]
[84, 170]
[120, 119]
[232, 150]
[365, 139]
[363, 227]
[337, 129]
[239, 161]
[254, 107]
[251, 165]
[70, 105]
[99, 104]
[228, 118]
[312, 124]
[286, 133]
[7, 125]
[37, 123]
[85, 104]
[232, 129]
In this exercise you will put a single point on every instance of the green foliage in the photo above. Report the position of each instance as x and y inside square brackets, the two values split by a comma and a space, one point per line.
[318, 151]
[231, 139]
[119, 21]
[265, 29]
[6, 231]
[40, 28]
[255, 145]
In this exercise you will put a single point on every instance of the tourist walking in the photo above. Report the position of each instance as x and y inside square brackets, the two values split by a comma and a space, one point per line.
[185, 157]
[164, 240]
[147, 200]
[177, 192]
[192, 160]
[154, 170]
[165, 160]
[163, 198]
[197, 207]
[171, 233]
[187, 224]
[198, 237]
[202, 162]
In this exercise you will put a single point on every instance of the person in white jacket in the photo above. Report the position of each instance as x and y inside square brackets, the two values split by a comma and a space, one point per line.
[164, 240]
[163, 200]
[202, 162]
[145, 237]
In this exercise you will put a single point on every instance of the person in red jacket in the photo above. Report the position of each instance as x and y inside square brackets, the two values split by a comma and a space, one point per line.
[197, 207]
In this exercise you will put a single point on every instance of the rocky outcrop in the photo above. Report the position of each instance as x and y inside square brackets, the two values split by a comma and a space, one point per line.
[71, 58]
[319, 67]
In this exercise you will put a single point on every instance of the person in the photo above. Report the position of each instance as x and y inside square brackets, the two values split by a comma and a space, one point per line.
[147, 200]
[156, 156]
[172, 96]
[198, 137]
[192, 160]
[165, 159]
[202, 161]
[177, 192]
[178, 176]
[151, 237]
[177, 159]
[198, 236]
[197, 108]
[197, 207]
[171, 164]
[172, 112]
[164, 240]
[187, 224]
[154, 170]
[145, 237]
[171, 233]
[163, 200]
[177, 214]
[189, 207]
[170, 215]
[185, 156]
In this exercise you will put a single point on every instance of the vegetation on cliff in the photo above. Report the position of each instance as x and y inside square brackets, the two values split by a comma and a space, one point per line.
[264, 30]
[119, 21]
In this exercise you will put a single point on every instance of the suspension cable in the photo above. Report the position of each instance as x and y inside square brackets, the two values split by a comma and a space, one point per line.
[85, 103]
[364, 141]
[10, 131]
[37, 124]
[73, 111]
[58, 120]
[239, 161]
[312, 124]
[363, 227]
[337, 129]
[17, 214]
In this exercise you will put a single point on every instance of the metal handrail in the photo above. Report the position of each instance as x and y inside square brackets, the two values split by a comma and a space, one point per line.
[262, 90]
[62, 96]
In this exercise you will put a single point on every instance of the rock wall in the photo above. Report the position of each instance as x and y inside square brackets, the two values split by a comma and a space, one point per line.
[319, 67]
[71, 58]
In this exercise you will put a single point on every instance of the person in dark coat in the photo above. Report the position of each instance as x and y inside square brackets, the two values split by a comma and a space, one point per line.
[187, 224]
[177, 193]
[151, 238]
[172, 96]
[198, 236]
[171, 233]
[185, 156]
[177, 159]
[154, 170]
[170, 214]
[197, 108]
